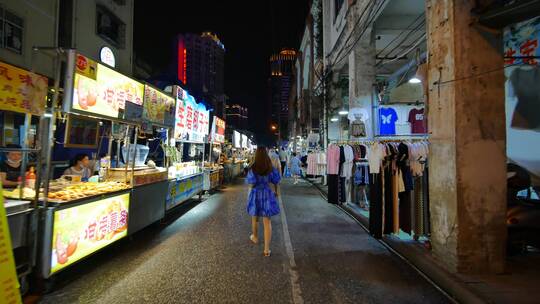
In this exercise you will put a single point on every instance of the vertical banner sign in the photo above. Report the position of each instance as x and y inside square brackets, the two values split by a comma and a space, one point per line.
[22, 91]
[218, 130]
[9, 285]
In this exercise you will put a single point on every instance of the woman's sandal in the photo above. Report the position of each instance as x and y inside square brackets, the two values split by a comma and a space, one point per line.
[253, 239]
[267, 254]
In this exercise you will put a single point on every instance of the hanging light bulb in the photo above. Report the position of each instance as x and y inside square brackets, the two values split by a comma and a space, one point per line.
[343, 112]
[334, 119]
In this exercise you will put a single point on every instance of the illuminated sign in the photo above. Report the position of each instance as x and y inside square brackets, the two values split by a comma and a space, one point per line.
[157, 106]
[22, 91]
[218, 130]
[81, 230]
[192, 119]
[9, 291]
[244, 141]
[182, 61]
[101, 90]
[107, 56]
[237, 139]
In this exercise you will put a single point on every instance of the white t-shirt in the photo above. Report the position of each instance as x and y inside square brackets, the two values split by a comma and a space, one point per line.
[358, 114]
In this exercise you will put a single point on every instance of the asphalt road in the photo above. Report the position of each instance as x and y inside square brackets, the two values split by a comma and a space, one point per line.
[203, 255]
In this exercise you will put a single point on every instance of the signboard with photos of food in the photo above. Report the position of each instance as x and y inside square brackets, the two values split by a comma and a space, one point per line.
[81, 230]
[192, 119]
[101, 90]
[22, 91]
[157, 105]
[218, 130]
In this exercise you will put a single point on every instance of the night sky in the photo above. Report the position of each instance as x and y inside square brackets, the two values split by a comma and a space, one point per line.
[250, 30]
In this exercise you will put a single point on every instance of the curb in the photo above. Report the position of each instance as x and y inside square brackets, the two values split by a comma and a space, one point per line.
[455, 289]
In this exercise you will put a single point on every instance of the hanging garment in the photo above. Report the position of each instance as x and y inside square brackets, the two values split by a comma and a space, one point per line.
[333, 188]
[358, 129]
[376, 205]
[388, 198]
[342, 190]
[419, 207]
[321, 163]
[375, 157]
[347, 165]
[332, 159]
[312, 164]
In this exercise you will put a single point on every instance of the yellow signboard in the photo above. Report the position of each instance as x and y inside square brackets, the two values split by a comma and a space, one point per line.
[84, 229]
[22, 91]
[156, 105]
[102, 90]
[9, 285]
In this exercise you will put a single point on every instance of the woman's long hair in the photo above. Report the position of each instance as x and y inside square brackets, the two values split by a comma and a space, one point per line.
[262, 164]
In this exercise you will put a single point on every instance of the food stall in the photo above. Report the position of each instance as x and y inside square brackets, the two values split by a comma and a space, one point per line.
[151, 182]
[213, 170]
[22, 104]
[236, 160]
[79, 218]
[186, 150]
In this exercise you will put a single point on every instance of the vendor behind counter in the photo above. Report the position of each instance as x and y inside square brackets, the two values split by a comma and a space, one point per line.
[10, 167]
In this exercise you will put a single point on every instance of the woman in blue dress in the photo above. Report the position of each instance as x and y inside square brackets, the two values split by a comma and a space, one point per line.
[262, 200]
[295, 167]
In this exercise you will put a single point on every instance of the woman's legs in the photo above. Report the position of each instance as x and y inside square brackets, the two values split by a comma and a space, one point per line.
[267, 233]
[255, 227]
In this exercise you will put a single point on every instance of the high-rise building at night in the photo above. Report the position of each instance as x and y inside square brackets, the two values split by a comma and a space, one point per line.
[236, 116]
[200, 67]
[281, 76]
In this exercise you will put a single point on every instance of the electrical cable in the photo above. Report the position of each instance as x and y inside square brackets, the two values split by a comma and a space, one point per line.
[475, 75]
[383, 4]
[354, 28]
[422, 39]
[408, 28]
[402, 42]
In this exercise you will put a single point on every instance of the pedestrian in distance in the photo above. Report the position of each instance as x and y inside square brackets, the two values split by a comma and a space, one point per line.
[295, 167]
[262, 199]
[283, 159]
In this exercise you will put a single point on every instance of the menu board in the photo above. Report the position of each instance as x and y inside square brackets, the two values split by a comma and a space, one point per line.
[81, 230]
[22, 91]
[192, 119]
[9, 290]
[218, 130]
[102, 90]
[157, 105]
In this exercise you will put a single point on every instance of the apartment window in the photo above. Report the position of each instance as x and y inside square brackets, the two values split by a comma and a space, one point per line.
[11, 31]
[110, 28]
[337, 7]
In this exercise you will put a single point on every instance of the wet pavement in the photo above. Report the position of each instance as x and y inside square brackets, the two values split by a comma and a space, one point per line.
[203, 255]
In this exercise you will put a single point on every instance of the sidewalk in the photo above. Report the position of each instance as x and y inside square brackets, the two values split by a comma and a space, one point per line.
[520, 284]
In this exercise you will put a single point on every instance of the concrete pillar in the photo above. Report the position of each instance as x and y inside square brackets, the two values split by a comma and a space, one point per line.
[362, 76]
[467, 161]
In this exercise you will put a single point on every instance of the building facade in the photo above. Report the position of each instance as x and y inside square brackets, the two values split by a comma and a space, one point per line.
[200, 67]
[282, 73]
[306, 116]
[26, 25]
[90, 26]
[236, 116]
[372, 51]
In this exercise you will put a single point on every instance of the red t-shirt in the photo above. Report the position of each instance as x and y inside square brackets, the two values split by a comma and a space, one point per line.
[418, 121]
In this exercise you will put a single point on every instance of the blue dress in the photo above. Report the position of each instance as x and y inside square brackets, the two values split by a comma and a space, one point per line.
[295, 166]
[262, 200]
